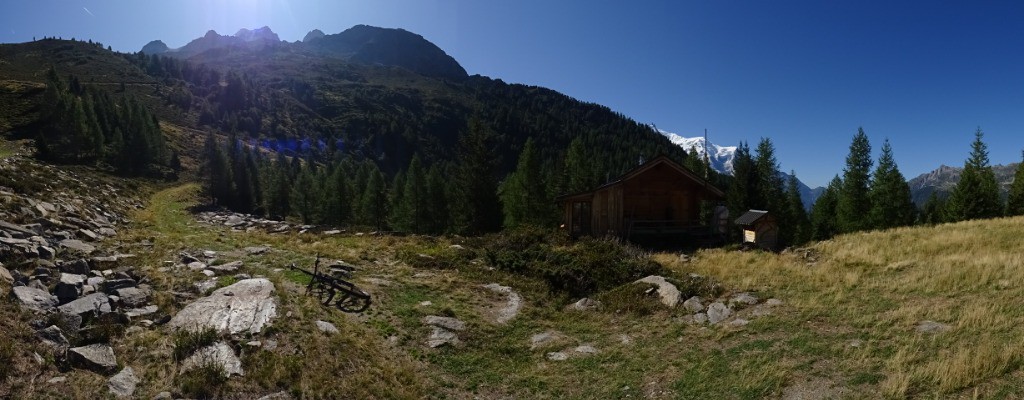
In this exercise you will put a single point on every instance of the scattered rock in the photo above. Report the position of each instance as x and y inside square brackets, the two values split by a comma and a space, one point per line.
[277, 396]
[326, 327]
[46, 252]
[737, 323]
[717, 312]
[448, 323]
[77, 246]
[855, 343]
[138, 312]
[204, 286]
[218, 354]
[512, 306]
[246, 306]
[773, 302]
[94, 357]
[256, 250]
[693, 304]
[932, 327]
[226, 268]
[163, 396]
[134, 296]
[557, 356]
[53, 336]
[585, 304]
[545, 339]
[426, 303]
[744, 298]
[57, 379]
[585, 349]
[440, 337]
[196, 265]
[668, 292]
[123, 384]
[34, 299]
[5, 275]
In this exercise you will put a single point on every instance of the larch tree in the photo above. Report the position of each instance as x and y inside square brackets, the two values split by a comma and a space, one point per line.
[823, 214]
[976, 195]
[854, 202]
[891, 203]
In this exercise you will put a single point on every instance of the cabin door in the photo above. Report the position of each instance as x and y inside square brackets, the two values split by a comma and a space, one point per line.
[580, 224]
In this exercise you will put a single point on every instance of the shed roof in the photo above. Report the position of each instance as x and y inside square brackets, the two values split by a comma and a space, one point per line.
[750, 217]
[661, 159]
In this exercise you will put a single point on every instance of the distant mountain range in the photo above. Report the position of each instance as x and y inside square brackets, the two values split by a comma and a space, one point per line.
[943, 179]
[721, 158]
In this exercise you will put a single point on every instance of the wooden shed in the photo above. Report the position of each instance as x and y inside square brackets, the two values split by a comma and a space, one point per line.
[658, 198]
[759, 228]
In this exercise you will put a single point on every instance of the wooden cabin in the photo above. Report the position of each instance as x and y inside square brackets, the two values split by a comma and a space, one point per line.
[759, 228]
[659, 198]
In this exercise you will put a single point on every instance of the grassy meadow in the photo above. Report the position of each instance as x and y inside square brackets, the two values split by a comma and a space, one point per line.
[847, 326]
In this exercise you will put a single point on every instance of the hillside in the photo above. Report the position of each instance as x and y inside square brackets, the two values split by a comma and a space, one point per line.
[913, 312]
[320, 96]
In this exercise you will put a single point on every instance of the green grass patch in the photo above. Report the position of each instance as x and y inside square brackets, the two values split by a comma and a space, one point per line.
[187, 342]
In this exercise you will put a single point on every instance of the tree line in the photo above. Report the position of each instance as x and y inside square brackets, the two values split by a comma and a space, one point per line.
[84, 125]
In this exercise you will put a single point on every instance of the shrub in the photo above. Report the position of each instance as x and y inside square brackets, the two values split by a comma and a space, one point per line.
[579, 268]
[202, 382]
[632, 298]
[7, 354]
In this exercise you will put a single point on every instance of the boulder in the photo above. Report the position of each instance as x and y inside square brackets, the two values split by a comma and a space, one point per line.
[46, 252]
[247, 306]
[123, 384]
[197, 266]
[77, 246]
[326, 327]
[94, 357]
[96, 302]
[53, 335]
[440, 337]
[667, 292]
[585, 349]
[5, 275]
[111, 286]
[256, 250]
[34, 299]
[932, 327]
[693, 304]
[544, 339]
[557, 356]
[139, 312]
[717, 312]
[218, 354]
[585, 304]
[277, 396]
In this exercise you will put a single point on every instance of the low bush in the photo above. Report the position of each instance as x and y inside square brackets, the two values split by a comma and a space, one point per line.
[579, 269]
[187, 342]
[204, 381]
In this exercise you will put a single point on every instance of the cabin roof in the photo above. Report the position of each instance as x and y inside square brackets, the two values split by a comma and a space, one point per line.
[661, 159]
[750, 217]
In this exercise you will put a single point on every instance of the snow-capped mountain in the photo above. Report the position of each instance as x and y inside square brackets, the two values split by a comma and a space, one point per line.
[721, 157]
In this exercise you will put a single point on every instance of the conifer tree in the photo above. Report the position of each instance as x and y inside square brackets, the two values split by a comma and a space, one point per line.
[477, 208]
[437, 201]
[524, 197]
[216, 172]
[1015, 200]
[743, 192]
[891, 203]
[375, 199]
[337, 198]
[412, 209]
[934, 210]
[798, 226]
[770, 194]
[854, 203]
[823, 214]
[579, 175]
[976, 195]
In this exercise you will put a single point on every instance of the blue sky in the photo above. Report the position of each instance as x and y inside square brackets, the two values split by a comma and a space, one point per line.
[804, 73]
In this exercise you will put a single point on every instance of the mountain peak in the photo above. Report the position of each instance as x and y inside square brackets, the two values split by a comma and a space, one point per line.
[263, 33]
[312, 35]
[155, 47]
[211, 34]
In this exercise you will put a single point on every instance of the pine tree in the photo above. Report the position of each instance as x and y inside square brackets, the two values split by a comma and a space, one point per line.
[216, 172]
[854, 203]
[578, 171]
[743, 192]
[891, 203]
[1015, 200]
[304, 195]
[476, 199]
[798, 226]
[524, 196]
[337, 199]
[823, 214]
[412, 209]
[375, 199]
[934, 210]
[437, 200]
[770, 193]
[976, 195]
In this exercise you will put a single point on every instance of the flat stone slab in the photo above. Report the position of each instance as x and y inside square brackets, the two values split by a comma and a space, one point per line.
[77, 245]
[139, 312]
[218, 354]
[246, 306]
[448, 323]
[34, 299]
[226, 268]
[88, 304]
[94, 357]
